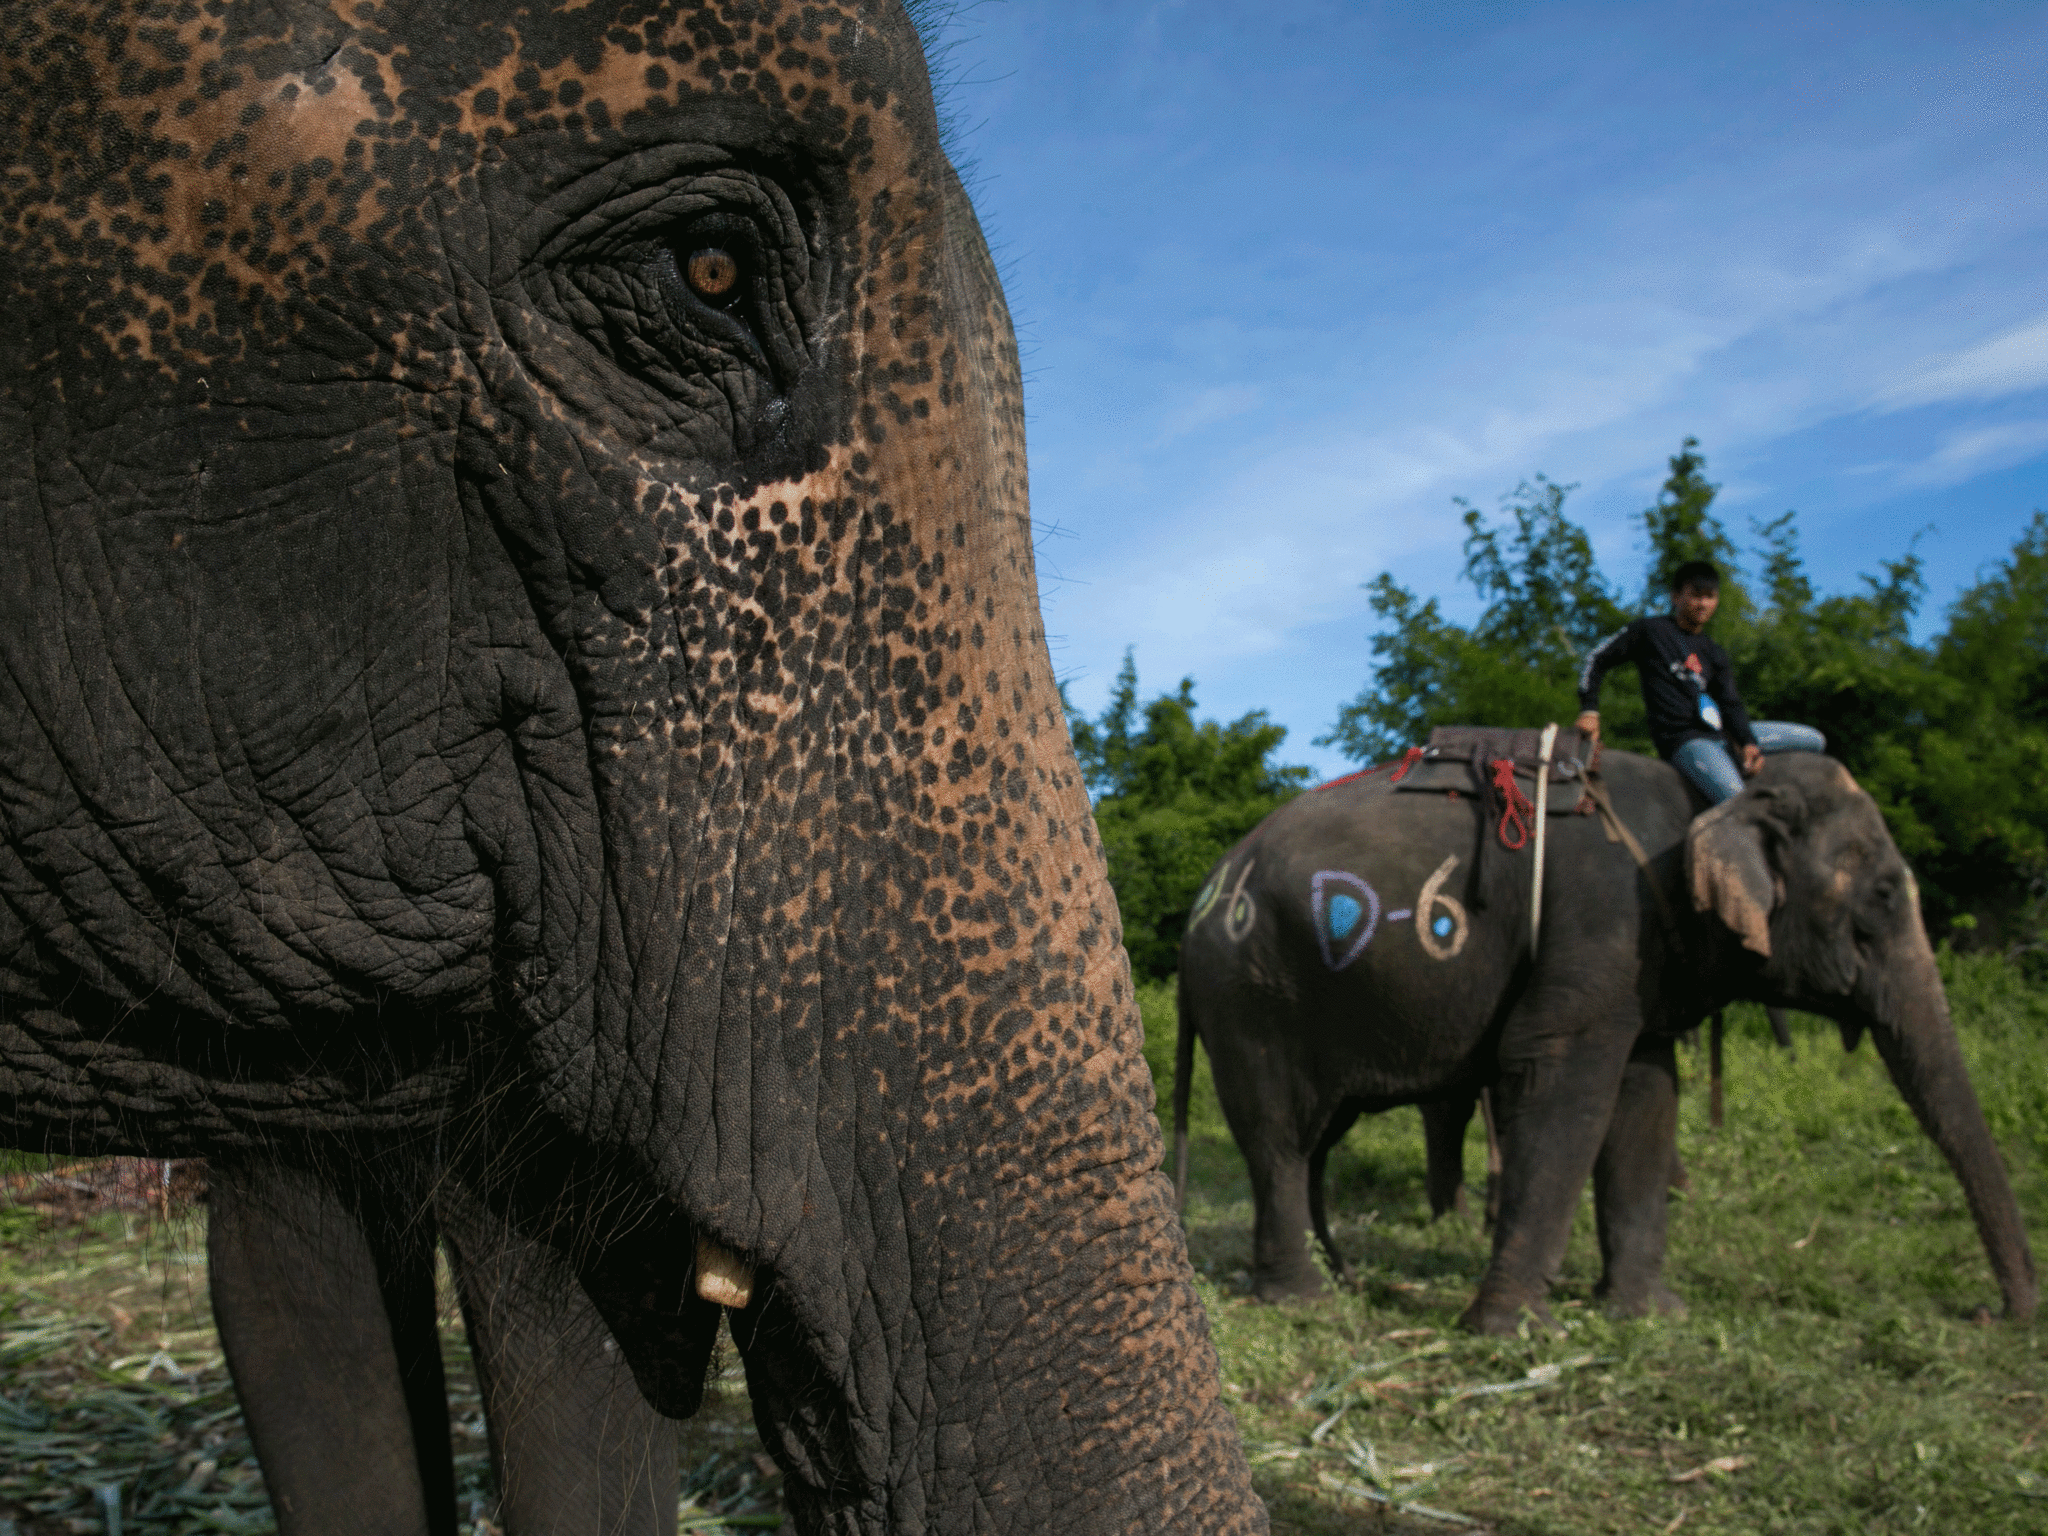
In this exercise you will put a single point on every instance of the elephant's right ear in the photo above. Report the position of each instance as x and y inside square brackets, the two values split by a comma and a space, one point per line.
[1730, 875]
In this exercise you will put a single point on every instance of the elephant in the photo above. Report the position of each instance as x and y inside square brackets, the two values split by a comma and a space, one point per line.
[1317, 999]
[519, 645]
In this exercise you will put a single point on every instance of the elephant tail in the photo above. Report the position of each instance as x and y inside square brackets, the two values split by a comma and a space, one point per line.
[1183, 1084]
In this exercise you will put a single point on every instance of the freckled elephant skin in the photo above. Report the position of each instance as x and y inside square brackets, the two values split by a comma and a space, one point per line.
[519, 624]
[1424, 989]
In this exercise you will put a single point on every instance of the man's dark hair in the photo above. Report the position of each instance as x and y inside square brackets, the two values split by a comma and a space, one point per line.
[1695, 575]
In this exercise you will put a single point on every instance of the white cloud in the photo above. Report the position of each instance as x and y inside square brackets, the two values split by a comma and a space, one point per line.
[2010, 364]
[1205, 409]
[1963, 454]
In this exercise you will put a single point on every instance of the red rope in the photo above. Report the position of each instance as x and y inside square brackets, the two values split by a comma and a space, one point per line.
[1414, 756]
[1517, 807]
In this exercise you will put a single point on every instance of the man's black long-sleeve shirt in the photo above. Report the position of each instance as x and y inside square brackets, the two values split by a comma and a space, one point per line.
[1688, 684]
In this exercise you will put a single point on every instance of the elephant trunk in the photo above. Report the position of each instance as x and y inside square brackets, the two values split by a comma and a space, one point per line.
[897, 1087]
[1051, 1375]
[958, 1282]
[1910, 1023]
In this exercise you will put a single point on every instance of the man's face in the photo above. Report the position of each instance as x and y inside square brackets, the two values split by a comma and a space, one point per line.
[1693, 606]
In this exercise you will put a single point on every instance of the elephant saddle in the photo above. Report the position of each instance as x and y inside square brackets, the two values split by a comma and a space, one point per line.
[1498, 765]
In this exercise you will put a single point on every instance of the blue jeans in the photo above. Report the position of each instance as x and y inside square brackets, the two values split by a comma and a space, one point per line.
[1707, 762]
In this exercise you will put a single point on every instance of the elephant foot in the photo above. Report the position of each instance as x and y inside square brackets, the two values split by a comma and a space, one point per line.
[1501, 1315]
[1292, 1286]
[1654, 1299]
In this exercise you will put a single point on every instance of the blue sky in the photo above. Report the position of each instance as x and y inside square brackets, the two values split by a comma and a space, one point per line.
[1290, 277]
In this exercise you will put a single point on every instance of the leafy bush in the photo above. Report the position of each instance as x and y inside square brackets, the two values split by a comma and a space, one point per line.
[1172, 794]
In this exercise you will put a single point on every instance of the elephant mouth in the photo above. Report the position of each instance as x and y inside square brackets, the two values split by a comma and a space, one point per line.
[665, 1330]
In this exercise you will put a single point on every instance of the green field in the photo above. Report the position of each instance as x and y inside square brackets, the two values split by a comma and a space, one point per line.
[1826, 1381]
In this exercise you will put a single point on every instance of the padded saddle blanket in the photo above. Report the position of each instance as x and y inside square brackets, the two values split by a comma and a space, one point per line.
[1459, 759]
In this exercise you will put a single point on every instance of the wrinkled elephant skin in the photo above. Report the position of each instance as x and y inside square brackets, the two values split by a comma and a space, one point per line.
[1425, 989]
[519, 631]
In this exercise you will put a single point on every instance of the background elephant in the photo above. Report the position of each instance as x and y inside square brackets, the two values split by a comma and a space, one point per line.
[519, 628]
[1792, 894]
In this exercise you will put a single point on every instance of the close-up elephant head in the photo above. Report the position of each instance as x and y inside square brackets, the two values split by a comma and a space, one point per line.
[1822, 913]
[519, 621]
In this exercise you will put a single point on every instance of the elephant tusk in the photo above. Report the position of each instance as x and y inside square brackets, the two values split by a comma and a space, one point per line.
[722, 1275]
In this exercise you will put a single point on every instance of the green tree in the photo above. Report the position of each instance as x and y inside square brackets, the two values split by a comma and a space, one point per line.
[1681, 526]
[1949, 737]
[1104, 744]
[1546, 606]
[1172, 794]
[1983, 762]
[1785, 583]
[1844, 664]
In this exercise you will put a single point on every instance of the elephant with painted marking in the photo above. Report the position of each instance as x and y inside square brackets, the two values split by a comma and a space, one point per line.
[520, 657]
[1344, 958]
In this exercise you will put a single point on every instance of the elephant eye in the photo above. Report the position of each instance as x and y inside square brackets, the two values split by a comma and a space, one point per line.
[715, 278]
[713, 274]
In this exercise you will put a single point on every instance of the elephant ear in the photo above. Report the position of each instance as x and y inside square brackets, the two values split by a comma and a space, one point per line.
[1730, 873]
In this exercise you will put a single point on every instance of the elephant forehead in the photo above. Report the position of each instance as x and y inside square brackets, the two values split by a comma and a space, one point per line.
[207, 161]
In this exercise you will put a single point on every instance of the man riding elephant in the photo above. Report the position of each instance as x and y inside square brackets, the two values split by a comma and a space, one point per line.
[1695, 711]
[520, 662]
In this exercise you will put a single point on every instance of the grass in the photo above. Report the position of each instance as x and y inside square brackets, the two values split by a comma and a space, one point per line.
[1826, 1381]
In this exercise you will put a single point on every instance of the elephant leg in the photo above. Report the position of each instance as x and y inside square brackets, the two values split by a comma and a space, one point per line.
[1443, 1140]
[1276, 1126]
[1630, 1180]
[1281, 1221]
[1319, 1218]
[325, 1306]
[577, 1449]
[1553, 1106]
[1492, 1158]
[1318, 1210]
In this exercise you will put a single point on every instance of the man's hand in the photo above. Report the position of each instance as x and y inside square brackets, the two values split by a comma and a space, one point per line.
[1752, 760]
[1588, 723]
